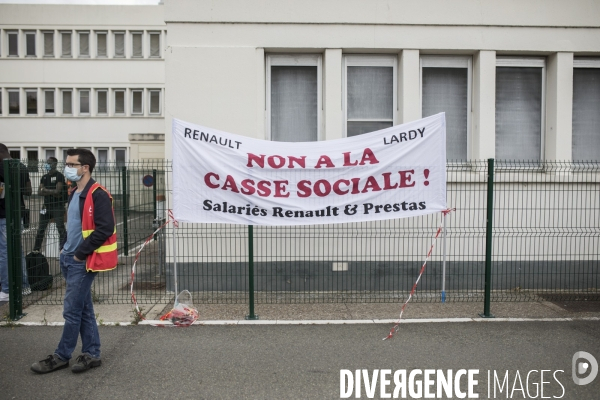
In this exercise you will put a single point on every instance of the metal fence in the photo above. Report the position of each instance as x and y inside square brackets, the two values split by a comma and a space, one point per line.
[544, 238]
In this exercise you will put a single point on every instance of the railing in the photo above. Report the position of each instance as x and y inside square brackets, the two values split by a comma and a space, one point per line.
[543, 244]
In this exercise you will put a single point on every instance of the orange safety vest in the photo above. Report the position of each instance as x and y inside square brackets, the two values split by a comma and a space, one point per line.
[104, 258]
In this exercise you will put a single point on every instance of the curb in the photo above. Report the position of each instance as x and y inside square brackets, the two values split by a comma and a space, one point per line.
[318, 322]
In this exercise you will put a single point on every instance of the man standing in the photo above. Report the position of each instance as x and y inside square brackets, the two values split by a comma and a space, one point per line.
[52, 186]
[90, 247]
[25, 190]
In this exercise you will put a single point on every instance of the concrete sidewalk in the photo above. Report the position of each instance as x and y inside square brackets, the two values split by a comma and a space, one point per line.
[124, 314]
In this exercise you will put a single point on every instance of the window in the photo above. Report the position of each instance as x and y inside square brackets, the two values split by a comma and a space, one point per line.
[119, 44]
[136, 45]
[101, 45]
[32, 160]
[519, 108]
[48, 44]
[154, 44]
[13, 102]
[586, 110]
[119, 102]
[49, 153]
[84, 101]
[369, 100]
[293, 97]
[30, 44]
[67, 102]
[31, 102]
[154, 101]
[102, 102]
[15, 154]
[1, 110]
[446, 87]
[84, 44]
[137, 106]
[49, 101]
[120, 157]
[101, 160]
[66, 44]
[13, 44]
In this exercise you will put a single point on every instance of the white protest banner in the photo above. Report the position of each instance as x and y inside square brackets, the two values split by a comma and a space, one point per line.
[398, 172]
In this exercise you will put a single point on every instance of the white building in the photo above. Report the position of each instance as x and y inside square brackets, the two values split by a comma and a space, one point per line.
[82, 76]
[517, 79]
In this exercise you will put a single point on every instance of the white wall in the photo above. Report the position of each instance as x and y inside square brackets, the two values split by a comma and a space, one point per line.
[54, 15]
[577, 13]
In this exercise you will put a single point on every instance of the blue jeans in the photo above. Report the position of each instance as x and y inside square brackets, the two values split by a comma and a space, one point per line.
[78, 310]
[4, 260]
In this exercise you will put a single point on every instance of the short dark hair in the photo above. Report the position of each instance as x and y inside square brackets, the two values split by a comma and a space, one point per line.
[4, 153]
[85, 157]
[53, 160]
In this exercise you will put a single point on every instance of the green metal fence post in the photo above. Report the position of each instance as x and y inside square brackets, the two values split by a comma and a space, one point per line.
[251, 272]
[154, 193]
[488, 240]
[156, 223]
[125, 212]
[12, 198]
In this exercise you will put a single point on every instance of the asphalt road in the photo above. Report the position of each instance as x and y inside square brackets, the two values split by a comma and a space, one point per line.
[301, 362]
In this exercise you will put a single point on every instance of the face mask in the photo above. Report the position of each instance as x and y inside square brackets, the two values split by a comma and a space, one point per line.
[71, 174]
[47, 167]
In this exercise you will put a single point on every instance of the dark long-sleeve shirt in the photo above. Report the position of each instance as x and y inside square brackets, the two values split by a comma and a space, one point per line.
[104, 219]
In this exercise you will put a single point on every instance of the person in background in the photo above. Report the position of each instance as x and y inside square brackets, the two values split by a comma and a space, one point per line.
[89, 247]
[25, 191]
[52, 187]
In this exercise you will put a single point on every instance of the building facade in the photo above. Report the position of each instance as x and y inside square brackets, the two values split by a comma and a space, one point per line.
[82, 76]
[518, 80]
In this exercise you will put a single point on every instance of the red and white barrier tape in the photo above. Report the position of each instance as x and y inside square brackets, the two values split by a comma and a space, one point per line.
[396, 327]
[172, 218]
[137, 256]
